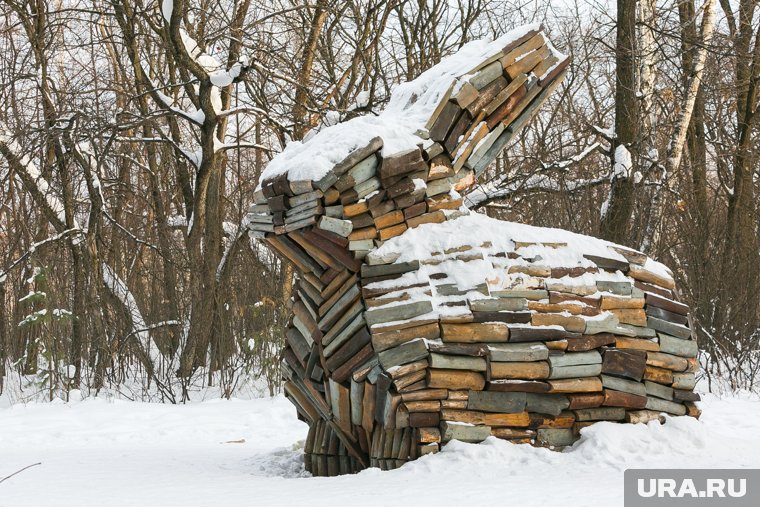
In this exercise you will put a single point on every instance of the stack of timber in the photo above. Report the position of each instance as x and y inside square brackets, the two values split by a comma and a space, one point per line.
[415, 322]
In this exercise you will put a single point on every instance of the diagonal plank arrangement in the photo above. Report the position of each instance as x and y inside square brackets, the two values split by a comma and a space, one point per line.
[415, 322]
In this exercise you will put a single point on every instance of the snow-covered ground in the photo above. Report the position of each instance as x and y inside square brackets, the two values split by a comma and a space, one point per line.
[100, 452]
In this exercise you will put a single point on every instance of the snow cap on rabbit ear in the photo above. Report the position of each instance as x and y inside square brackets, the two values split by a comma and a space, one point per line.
[403, 123]
[437, 134]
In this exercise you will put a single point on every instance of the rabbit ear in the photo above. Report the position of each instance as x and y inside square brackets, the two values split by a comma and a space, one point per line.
[485, 108]
[473, 121]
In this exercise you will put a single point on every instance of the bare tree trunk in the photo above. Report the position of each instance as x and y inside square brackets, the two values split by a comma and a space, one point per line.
[300, 112]
[698, 229]
[740, 235]
[648, 20]
[693, 83]
[619, 205]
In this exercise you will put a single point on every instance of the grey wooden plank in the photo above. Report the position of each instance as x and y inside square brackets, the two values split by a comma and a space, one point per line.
[512, 352]
[581, 370]
[397, 312]
[660, 405]
[356, 156]
[627, 386]
[556, 437]
[575, 358]
[677, 346]
[465, 433]
[457, 362]
[670, 328]
[499, 305]
[658, 390]
[356, 395]
[340, 227]
[640, 332]
[617, 288]
[600, 414]
[496, 401]
[405, 353]
[389, 269]
[551, 404]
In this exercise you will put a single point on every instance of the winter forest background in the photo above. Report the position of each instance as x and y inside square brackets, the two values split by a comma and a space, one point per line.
[133, 133]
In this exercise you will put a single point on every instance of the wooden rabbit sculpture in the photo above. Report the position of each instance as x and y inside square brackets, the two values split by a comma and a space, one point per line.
[415, 321]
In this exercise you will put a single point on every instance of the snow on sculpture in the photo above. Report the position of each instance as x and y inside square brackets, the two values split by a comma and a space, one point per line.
[415, 321]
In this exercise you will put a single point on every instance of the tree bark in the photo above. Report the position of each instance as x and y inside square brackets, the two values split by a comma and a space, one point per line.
[617, 215]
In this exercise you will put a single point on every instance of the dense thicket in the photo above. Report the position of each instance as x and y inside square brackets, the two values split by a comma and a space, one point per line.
[133, 133]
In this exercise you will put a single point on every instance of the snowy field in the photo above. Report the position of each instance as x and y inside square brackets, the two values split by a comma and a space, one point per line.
[100, 452]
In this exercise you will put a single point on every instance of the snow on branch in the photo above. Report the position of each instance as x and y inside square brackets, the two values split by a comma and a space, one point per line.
[202, 64]
[540, 181]
[565, 164]
[507, 187]
[195, 116]
[140, 329]
[36, 246]
[32, 177]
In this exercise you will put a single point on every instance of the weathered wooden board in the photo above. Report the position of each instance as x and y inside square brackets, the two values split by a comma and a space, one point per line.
[424, 419]
[397, 312]
[600, 414]
[660, 375]
[349, 349]
[684, 381]
[475, 333]
[667, 361]
[585, 400]
[658, 301]
[479, 350]
[518, 419]
[581, 370]
[643, 416]
[455, 379]
[575, 385]
[589, 342]
[356, 394]
[521, 352]
[624, 363]
[457, 362]
[533, 334]
[658, 390]
[571, 323]
[536, 370]
[677, 346]
[666, 315]
[575, 309]
[660, 405]
[555, 437]
[448, 115]
[623, 342]
[386, 340]
[516, 385]
[551, 404]
[408, 352]
[498, 305]
[623, 399]
[627, 386]
[620, 302]
[575, 358]
[670, 328]
[453, 431]
[495, 401]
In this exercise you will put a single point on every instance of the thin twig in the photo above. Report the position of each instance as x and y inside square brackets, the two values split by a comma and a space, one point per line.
[19, 471]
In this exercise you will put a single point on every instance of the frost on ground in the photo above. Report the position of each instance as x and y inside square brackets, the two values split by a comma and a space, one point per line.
[98, 452]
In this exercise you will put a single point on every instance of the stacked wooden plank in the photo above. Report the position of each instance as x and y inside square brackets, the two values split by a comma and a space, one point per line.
[371, 197]
[538, 354]
[414, 323]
